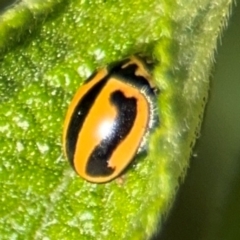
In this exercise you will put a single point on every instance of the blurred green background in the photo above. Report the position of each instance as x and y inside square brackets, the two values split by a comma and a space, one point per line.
[208, 203]
[6, 3]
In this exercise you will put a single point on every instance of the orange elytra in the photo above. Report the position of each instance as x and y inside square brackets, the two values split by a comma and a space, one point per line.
[109, 118]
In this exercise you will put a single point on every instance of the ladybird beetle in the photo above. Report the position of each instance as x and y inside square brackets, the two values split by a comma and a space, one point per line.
[109, 118]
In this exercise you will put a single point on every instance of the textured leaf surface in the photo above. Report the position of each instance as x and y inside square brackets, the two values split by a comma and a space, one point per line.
[47, 51]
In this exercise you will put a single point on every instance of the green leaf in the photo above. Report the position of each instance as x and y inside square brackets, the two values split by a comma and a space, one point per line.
[47, 50]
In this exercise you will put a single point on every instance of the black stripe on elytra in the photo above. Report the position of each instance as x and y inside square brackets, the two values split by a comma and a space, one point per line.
[78, 117]
[128, 75]
[126, 114]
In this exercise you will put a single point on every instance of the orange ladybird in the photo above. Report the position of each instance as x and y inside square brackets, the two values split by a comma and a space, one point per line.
[109, 118]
